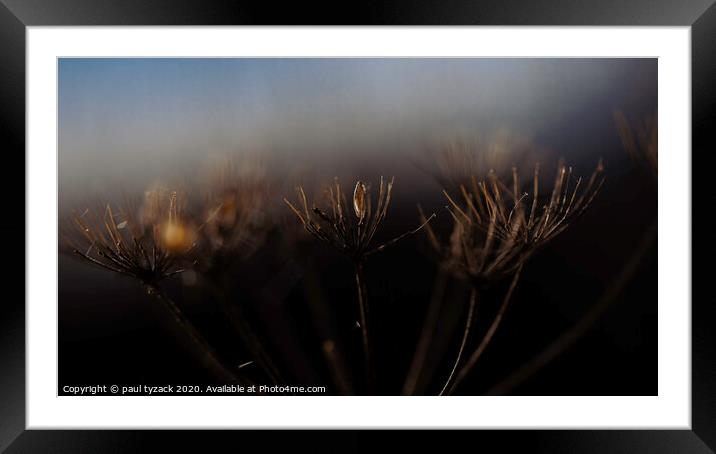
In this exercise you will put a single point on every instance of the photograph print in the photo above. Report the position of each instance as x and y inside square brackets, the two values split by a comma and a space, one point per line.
[357, 226]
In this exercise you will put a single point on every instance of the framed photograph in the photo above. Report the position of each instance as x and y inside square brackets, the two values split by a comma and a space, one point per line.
[390, 226]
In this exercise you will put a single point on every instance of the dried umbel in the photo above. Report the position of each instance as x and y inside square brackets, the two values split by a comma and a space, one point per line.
[518, 217]
[235, 222]
[144, 247]
[476, 254]
[457, 161]
[496, 229]
[349, 232]
[117, 240]
[640, 140]
[236, 216]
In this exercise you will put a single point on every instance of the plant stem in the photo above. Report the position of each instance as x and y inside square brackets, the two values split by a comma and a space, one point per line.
[569, 337]
[465, 335]
[490, 333]
[256, 349]
[320, 311]
[431, 320]
[255, 345]
[363, 321]
[209, 356]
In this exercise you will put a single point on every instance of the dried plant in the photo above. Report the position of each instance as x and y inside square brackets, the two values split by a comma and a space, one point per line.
[525, 228]
[235, 224]
[478, 255]
[116, 240]
[495, 230]
[456, 162]
[516, 216]
[237, 217]
[352, 234]
[146, 247]
[642, 147]
[640, 140]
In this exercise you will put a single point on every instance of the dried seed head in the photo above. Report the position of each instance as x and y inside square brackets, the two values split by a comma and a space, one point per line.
[455, 163]
[359, 202]
[118, 241]
[498, 226]
[236, 219]
[334, 226]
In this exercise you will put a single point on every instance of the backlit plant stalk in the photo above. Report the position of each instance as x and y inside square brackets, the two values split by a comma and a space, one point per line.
[351, 232]
[496, 230]
[640, 141]
[236, 225]
[482, 258]
[530, 227]
[455, 162]
[147, 251]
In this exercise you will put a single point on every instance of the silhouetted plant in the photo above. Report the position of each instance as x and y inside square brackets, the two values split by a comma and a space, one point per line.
[145, 247]
[496, 229]
[640, 141]
[456, 162]
[350, 229]
[236, 222]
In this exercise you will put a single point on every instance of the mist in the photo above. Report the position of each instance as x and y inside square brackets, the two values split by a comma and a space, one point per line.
[129, 122]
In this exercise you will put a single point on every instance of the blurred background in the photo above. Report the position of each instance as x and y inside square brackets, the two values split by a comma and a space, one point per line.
[128, 124]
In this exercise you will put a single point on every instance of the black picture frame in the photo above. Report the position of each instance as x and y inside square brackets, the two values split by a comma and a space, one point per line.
[16, 15]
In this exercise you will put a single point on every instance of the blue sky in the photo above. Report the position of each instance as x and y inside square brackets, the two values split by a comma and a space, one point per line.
[120, 116]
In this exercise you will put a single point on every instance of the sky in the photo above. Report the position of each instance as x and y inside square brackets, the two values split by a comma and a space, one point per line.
[124, 120]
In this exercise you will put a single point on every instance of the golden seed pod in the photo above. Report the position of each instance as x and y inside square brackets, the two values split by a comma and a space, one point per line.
[359, 202]
[177, 237]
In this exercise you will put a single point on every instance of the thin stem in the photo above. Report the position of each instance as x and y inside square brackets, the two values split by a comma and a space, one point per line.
[490, 333]
[465, 335]
[209, 356]
[400, 237]
[336, 367]
[363, 313]
[255, 345]
[321, 313]
[569, 337]
[256, 349]
[426, 337]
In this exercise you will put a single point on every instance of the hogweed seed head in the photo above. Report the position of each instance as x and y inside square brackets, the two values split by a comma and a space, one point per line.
[524, 217]
[120, 241]
[456, 161]
[235, 217]
[351, 236]
[497, 227]
[474, 254]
